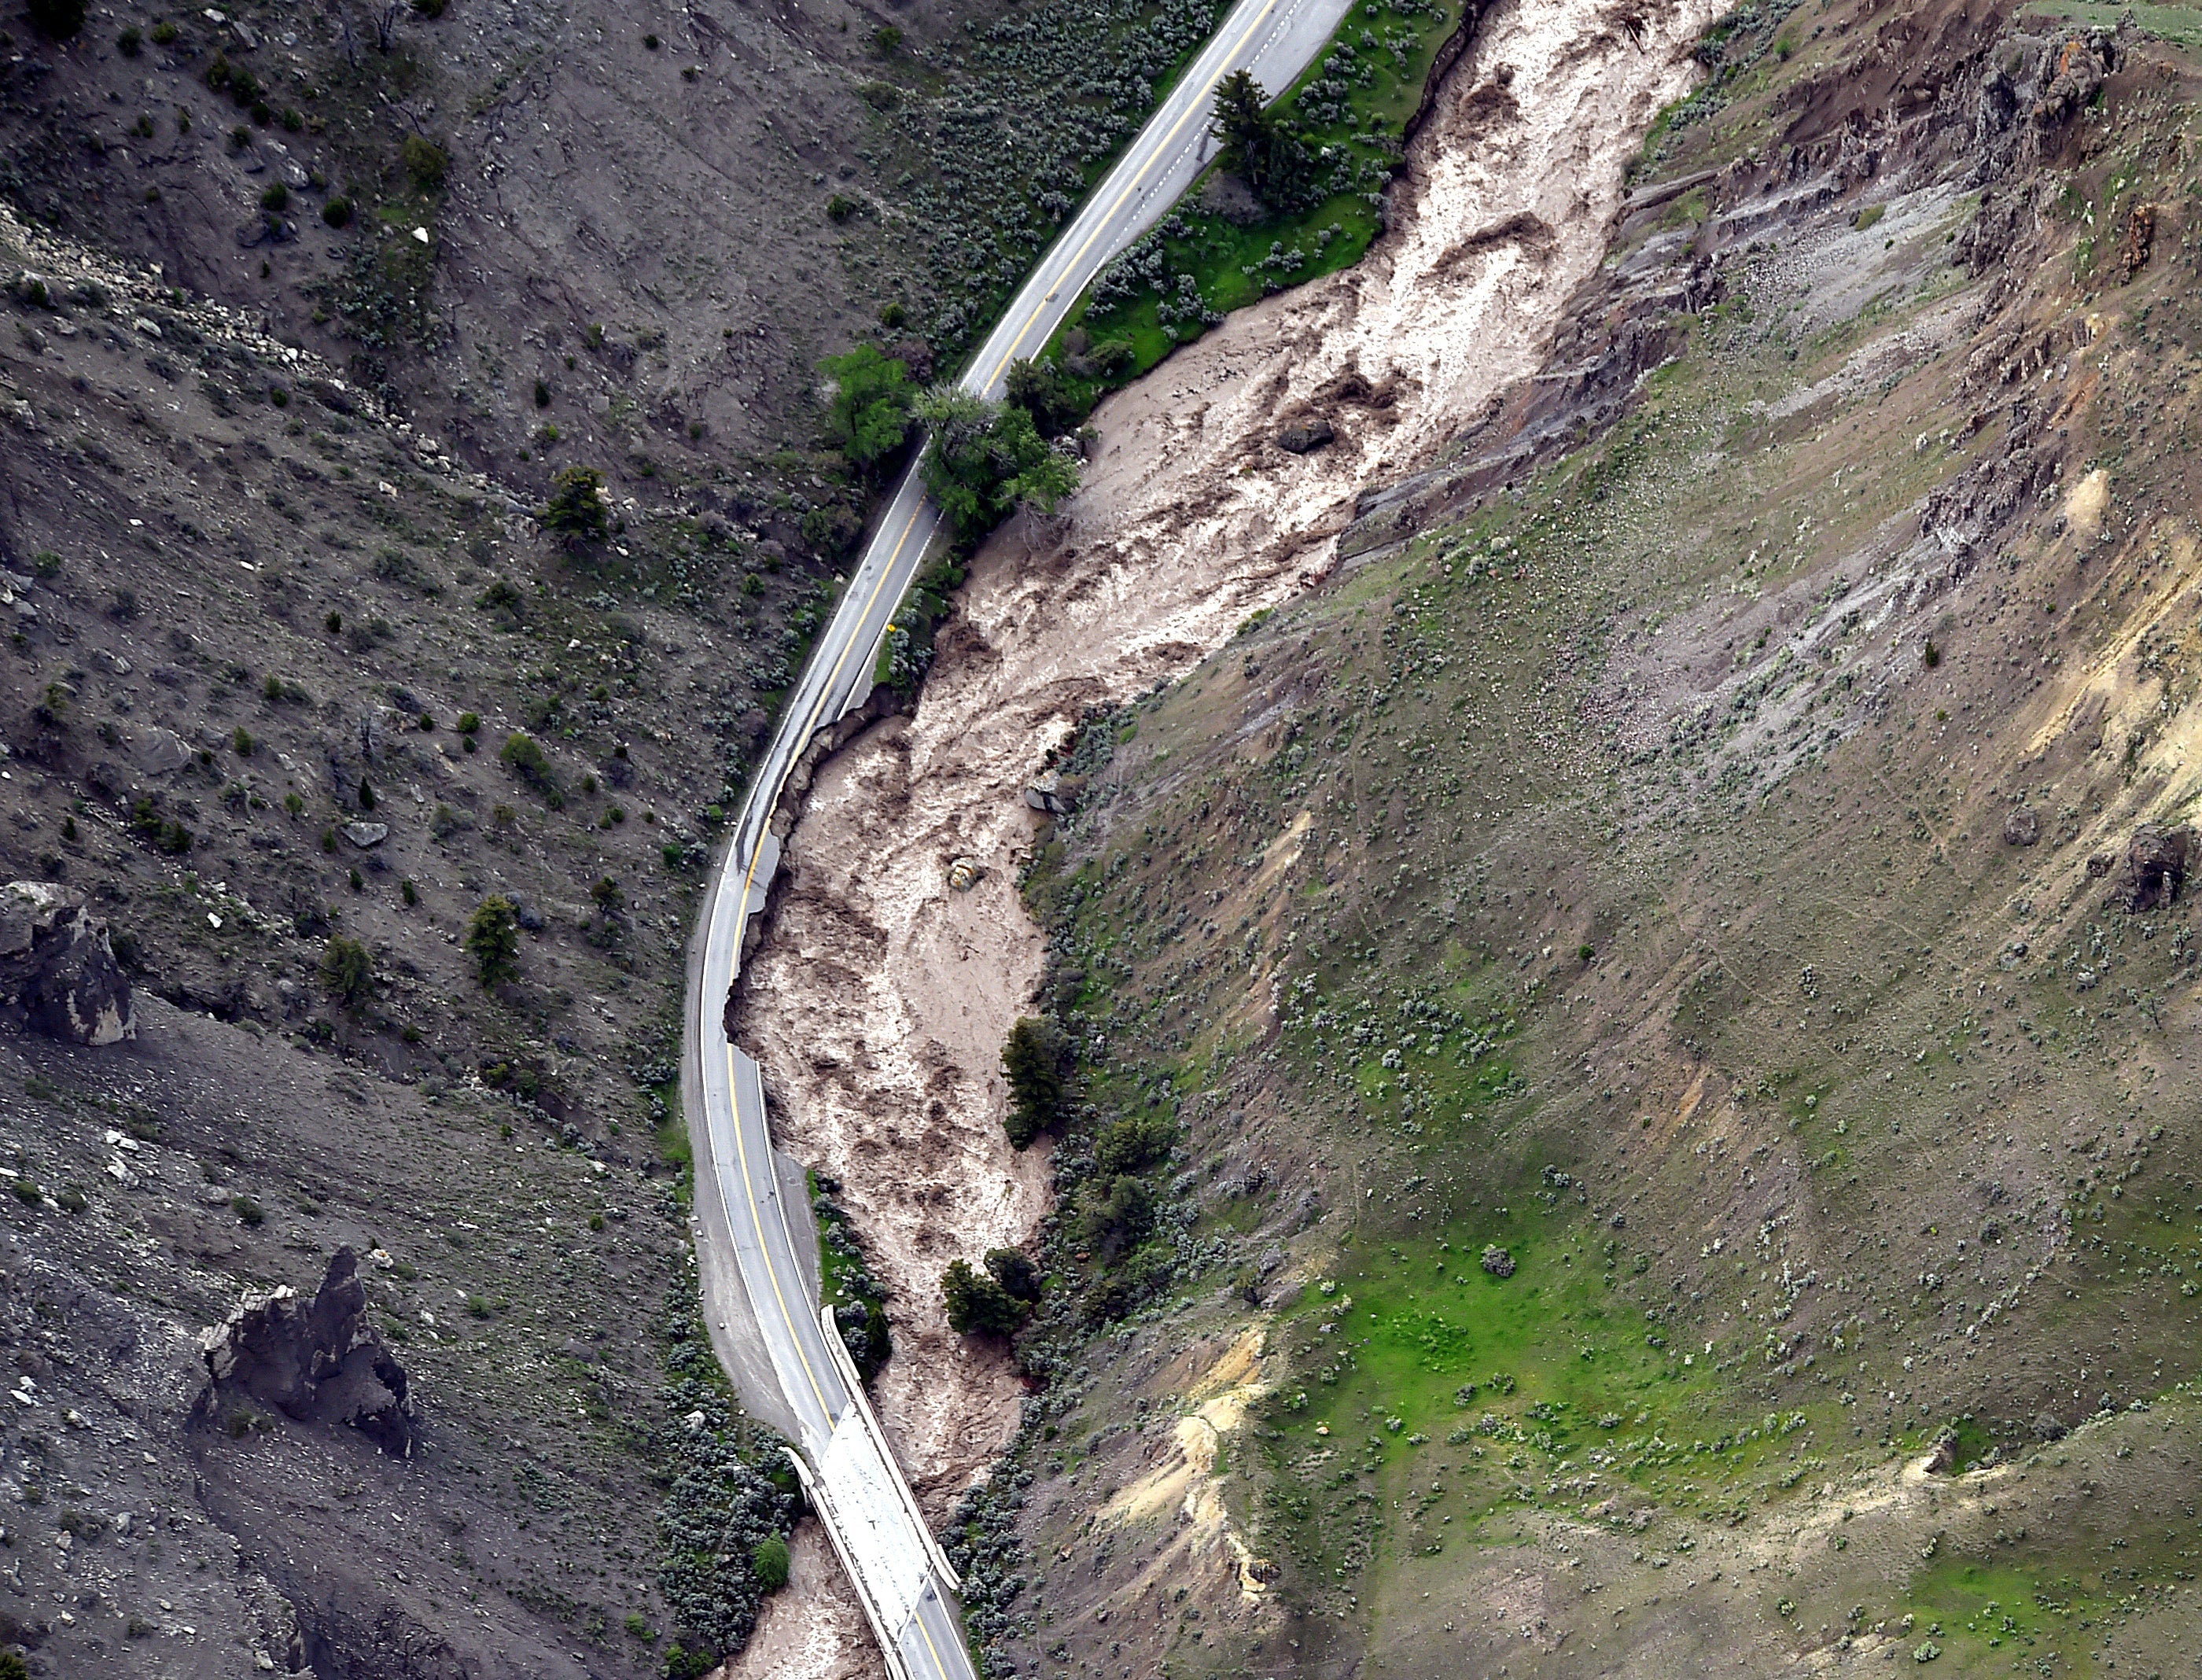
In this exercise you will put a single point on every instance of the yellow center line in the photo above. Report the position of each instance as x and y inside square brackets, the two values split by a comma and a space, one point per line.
[1134, 184]
[756, 1217]
[926, 1633]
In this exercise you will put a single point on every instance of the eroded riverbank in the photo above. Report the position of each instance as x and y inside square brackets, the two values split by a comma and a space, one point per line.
[880, 999]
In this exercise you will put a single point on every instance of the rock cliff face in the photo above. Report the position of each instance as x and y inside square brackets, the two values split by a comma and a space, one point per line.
[56, 964]
[316, 1361]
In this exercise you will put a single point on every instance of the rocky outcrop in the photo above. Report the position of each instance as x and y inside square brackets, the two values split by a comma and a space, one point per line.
[316, 1361]
[57, 966]
[2021, 828]
[2073, 70]
[2156, 866]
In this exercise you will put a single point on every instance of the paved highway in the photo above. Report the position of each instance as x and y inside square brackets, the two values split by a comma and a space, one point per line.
[759, 1257]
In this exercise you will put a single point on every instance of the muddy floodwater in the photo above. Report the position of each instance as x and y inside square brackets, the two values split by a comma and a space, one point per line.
[882, 997]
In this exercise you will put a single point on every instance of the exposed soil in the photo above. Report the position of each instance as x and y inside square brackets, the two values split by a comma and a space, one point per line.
[881, 1001]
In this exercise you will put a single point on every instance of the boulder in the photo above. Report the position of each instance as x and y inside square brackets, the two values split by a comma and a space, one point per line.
[2021, 828]
[57, 966]
[2156, 866]
[1497, 1261]
[159, 751]
[1304, 435]
[367, 835]
[316, 1361]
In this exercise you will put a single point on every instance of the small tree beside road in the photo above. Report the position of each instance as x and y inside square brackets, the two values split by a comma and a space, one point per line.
[984, 459]
[1257, 147]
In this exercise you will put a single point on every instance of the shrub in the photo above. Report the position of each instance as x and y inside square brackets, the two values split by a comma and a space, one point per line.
[337, 211]
[1040, 389]
[57, 19]
[1033, 1059]
[524, 756]
[1009, 1268]
[769, 1560]
[978, 1305]
[276, 199]
[429, 8]
[1118, 1217]
[542, 395]
[346, 970]
[248, 1211]
[841, 207]
[468, 722]
[493, 941]
[578, 507]
[426, 163]
[130, 43]
[1133, 1144]
[869, 415]
[885, 40]
[165, 33]
[165, 832]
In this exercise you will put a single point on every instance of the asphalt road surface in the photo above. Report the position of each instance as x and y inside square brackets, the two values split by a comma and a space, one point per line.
[759, 1257]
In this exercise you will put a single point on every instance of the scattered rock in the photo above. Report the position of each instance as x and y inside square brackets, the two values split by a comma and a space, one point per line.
[2156, 866]
[2100, 865]
[963, 874]
[316, 1361]
[56, 964]
[366, 835]
[1304, 435]
[2021, 828]
[1497, 1261]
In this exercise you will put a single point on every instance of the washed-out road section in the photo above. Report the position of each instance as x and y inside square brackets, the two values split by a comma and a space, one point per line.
[759, 1258]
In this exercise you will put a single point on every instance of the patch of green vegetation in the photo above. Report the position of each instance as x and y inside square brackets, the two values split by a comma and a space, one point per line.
[1350, 110]
[2179, 25]
[671, 1130]
[857, 1298]
[906, 653]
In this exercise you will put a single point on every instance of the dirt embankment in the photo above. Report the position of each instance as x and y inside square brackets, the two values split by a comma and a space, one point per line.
[880, 1003]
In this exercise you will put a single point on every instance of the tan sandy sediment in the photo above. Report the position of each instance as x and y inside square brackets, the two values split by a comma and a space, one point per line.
[880, 999]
